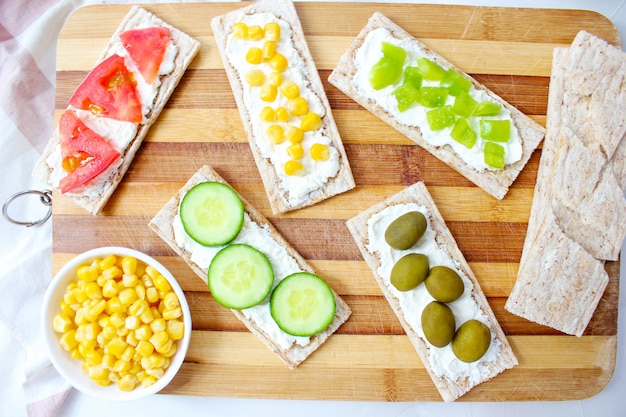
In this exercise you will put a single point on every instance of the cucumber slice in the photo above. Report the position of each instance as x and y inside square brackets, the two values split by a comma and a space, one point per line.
[212, 213]
[240, 276]
[302, 304]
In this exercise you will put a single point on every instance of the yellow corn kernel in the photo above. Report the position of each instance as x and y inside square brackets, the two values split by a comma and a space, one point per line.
[320, 152]
[268, 93]
[98, 372]
[143, 332]
[80, 318]
[175, 329]
[267, 114]
[114, 305]
[256, 32]
[144, 348]
[121, 366]
[109, 332]
[92, 330]
[152, 272]
[117, 320]
[135, 368]
[93, 357]
[282, 115]
[66, 309]
[172, 314]
[254, 55]
[294, 134]
[108, 361]
[129, 280]
[127, 383]
[131, 339]
[68, 340]
[295, 151]
[107, 262]
[61, 323]
[275, 134]
[278, 62]
[129, 265]
[272, 31]
[112, 272]
[131, 322]
[116, 346]
[155, 312]
[312, 121]
[275, 78]
[147, 381]
[87, 273]
[69, 298]
[75, 354]
[141, 291]
[146, 316]
[103, 382]
[128, 296]
[128, 353]
[161, 283]
[298, 106]
[290, 90]
[79, 295]
[293, 167]
[255, 78]
[159, 339]
[94, 311]
[269, 50]
[147, 280]
[240, 30]
[158, 325]
[152, 295]
[138, 307]
[153, 361]
[109, 289]
[169, 352]
[157, 372]
[171, 301]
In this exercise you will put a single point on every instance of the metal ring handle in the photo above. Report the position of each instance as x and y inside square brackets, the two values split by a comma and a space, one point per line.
[46, 198]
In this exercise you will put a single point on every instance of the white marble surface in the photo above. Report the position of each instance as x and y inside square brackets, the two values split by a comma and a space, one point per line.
[609, 402]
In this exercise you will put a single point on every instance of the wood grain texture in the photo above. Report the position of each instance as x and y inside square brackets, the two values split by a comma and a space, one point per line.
[370, 358]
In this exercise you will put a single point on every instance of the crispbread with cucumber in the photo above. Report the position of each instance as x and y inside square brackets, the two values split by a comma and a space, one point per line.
[435, 104]
[283, 106]
[249, 267]
[432, 290]
[112, 110]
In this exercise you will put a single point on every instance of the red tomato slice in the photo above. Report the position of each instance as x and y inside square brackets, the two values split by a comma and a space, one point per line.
[85, 153]
[110, 91]
[146, 48]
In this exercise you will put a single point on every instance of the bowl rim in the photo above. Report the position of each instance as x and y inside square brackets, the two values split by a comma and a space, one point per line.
[69, 367]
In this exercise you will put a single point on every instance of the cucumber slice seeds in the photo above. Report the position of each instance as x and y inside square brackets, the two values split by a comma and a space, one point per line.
[302, 304]
[240, 276]
[212, 213]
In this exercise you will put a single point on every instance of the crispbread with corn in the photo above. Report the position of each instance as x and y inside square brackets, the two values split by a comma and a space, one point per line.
[306, 77]
[162, 224]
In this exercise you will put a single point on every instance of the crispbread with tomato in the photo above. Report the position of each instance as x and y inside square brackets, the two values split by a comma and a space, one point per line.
[112, 110]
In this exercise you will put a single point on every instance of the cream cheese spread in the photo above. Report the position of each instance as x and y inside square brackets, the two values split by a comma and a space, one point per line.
[442, 360]
[415, 116]
[283, 264]
[315, 173]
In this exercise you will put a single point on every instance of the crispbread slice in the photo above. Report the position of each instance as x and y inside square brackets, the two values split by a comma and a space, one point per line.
[561, 278]
[494, 182]
[450, 388]
[162, 223]
[279, 197]
[187, 50]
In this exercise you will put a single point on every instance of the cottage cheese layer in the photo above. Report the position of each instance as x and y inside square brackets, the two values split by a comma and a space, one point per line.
[283, 263]
[415, 116]
[315, 173]
[442, 361]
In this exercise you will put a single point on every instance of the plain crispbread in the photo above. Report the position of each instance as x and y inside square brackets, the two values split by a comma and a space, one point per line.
[187, 50]
[577, 214]
[496, 183]
[417, 193]
[277, 195]
[162, 225]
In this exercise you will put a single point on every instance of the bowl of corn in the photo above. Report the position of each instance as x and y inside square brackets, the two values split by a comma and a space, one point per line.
[116, 323]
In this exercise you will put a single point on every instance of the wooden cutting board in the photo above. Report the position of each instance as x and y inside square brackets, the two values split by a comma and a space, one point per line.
[370, 358]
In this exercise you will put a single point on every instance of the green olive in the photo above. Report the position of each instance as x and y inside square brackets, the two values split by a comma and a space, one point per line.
[409, 272]
[444, 284]
[471, 341]
[438, 323]
[405, 231]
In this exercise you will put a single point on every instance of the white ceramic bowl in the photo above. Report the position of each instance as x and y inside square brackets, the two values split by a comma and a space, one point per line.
[69, 367]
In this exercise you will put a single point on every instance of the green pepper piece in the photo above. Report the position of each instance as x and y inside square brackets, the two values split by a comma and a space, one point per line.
[463, 133]
[455, 83]
[430, 70]
[440, 118]
[495, 130]
[412, 75]
[393, 52]
[494, 155]
[487, 108]
[406, 95]
[432, 96]
[464, 105]
[384, 73]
